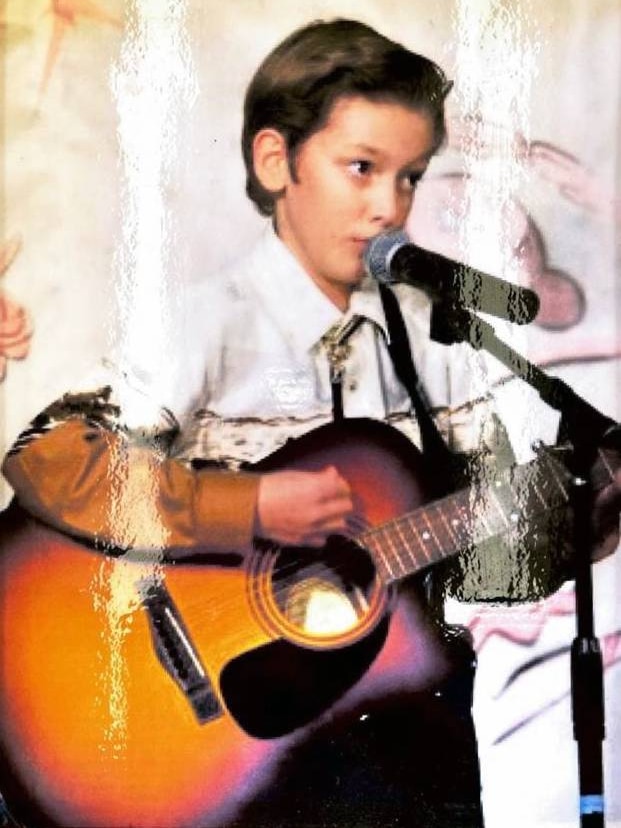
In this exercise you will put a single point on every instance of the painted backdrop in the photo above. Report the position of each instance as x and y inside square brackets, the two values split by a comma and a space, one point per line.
[122, 180]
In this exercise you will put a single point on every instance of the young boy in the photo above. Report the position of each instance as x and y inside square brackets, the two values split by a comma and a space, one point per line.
[339, 125]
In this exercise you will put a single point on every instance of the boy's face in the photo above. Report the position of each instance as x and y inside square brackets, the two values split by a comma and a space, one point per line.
[355, 179]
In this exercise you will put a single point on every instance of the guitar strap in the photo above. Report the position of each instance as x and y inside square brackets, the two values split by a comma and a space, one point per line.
[337, 350]
[439, 457]
[401, 354]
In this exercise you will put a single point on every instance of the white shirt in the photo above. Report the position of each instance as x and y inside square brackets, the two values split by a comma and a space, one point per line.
[251, 369]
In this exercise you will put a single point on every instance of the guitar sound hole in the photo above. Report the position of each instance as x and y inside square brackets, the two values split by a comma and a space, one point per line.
[312, 599]
[324, 593]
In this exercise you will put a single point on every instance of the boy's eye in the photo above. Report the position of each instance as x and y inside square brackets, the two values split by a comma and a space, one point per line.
[360, 167]
[412, 178]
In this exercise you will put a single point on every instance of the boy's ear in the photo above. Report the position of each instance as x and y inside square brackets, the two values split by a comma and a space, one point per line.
[270, 158]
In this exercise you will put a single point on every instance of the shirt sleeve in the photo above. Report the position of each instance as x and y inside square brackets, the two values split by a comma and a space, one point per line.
[78, 470]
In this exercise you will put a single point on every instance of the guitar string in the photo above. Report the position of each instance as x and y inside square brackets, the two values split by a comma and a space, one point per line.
[391, 530]
[393, 527]
[317, 569]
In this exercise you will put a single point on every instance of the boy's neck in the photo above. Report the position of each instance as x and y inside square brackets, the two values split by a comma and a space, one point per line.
[338, 294]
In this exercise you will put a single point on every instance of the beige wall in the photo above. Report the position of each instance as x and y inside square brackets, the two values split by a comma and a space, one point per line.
[123, 180]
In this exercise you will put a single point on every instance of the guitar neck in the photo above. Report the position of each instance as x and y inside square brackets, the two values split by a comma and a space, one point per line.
[453, 524]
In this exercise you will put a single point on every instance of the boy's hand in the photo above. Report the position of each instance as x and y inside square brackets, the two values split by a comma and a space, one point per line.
[301, 508]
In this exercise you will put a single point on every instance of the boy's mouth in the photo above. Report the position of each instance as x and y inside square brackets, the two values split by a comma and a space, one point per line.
[360, 243]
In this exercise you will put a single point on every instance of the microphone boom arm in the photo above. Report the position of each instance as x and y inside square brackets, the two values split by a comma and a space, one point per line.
[452, 323]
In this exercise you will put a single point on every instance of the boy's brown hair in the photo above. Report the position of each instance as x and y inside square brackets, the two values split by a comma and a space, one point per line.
[296, 86]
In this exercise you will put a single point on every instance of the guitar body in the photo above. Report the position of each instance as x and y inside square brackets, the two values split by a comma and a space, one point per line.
[141, 693]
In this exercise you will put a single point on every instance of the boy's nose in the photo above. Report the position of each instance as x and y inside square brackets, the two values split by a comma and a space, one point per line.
[389, 207]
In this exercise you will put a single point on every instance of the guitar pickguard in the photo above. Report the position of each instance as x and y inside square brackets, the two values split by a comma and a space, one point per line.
[276, 688]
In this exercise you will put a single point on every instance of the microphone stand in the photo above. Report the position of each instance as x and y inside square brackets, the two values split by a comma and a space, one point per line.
[588, 429]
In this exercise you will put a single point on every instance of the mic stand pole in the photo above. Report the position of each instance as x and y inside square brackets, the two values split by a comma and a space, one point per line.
[588, 429]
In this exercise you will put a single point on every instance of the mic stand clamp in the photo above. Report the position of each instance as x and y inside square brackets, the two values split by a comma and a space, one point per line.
[588, 429]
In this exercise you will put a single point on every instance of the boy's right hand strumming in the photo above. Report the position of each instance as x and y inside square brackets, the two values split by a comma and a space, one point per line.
[303, 507]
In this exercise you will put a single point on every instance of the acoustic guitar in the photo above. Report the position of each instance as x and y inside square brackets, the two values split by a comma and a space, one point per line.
[139, 690]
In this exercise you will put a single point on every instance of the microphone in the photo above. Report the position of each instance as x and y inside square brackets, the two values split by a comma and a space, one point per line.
[391, 257]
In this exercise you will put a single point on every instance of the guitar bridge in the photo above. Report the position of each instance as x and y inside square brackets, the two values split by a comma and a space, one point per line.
[175, 652]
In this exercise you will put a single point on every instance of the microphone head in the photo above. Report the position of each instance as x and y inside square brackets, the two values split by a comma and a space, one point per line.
[379, 252]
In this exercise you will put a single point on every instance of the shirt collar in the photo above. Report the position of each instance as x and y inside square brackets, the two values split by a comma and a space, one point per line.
[301, 310]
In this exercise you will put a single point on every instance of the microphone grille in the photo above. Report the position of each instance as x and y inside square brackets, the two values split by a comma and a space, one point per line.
[379, 252]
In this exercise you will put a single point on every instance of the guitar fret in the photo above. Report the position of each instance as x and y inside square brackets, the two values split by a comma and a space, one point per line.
[449, 530]
[460, 525]
[394, 539]
[412, 544]
[394, 556]
[488, 508]
[387, 559]
[495, 509]
[445, 534]
[432, 534]
[415, 544]
[382, 554]
[430, 544]
[421, 539]
[404, 545]
[478, 516]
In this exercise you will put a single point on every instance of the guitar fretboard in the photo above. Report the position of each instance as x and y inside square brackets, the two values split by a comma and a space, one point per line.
[453, 524]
